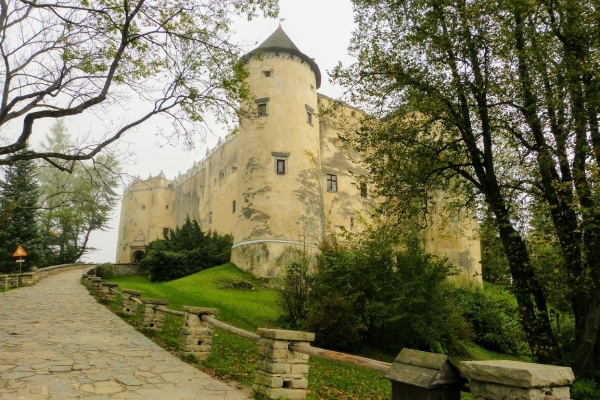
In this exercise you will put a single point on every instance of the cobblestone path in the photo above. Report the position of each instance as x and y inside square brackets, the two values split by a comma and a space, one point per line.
[57, 342]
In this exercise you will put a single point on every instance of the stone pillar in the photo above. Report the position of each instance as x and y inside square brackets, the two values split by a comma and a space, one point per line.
[128, 305]
[106, 294]
[196, 335]
[152, 316]
[94, 285]
[504, 380]
[281, 372]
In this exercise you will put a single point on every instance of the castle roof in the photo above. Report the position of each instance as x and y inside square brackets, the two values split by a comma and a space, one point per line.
[279, 41]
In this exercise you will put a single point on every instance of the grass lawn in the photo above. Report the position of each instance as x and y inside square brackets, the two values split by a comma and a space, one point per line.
[234, 358]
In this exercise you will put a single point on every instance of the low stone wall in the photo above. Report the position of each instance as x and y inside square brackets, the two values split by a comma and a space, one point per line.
[127, 269]
[32, 277]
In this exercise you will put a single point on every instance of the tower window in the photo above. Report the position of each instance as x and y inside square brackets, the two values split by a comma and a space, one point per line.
[267, 74]
[363, 190]
[210, 217]
[143, 207]
[351, 222]
[165, 232]
[280, 166]
[233, 206]
[332, 184]
[261, 106]
[309, 114]
[167, 206]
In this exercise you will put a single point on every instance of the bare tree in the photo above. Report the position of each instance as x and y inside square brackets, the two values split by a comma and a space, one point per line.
[68, 57]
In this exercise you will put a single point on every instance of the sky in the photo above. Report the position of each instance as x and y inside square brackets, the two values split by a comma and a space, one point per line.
[321, 29]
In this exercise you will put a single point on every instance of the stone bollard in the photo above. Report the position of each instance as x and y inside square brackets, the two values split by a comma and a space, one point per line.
[281, 372]
[128, 305]
[500, 380]
[196, 335]
[94, 285]
[106, 294]
[152, 316]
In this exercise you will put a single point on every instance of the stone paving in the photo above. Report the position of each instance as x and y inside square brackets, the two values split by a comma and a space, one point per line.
[57, 342]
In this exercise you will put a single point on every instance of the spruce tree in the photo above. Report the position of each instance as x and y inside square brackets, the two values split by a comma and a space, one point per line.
[19, 194]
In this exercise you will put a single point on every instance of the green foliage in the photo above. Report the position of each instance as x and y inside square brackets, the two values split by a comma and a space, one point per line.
[233, 357]
[184, 251]
[294, 287]
[393, 297]
[493, 320]
[19, 194]
[74, 202]
[105, 271]
[585, 390]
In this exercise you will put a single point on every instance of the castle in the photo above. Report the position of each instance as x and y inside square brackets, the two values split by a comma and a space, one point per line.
[276, 186]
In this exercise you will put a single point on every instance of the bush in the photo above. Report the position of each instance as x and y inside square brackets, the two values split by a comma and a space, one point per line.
[293, 289]
[494, 321]
[585, 390]
[185, 251]
[105, 271]
[392, 298]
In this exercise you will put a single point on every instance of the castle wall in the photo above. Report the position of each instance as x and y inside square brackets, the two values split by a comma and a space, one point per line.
[146, 210]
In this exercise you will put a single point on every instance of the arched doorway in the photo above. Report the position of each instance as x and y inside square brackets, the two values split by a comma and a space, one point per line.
[137, 256]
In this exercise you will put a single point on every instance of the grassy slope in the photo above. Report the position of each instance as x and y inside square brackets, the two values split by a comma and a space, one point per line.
[234, 357]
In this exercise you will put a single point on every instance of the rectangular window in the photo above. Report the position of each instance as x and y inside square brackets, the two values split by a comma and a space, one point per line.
[280, 166]
[165, 232]
[351, 222]
[309, 117]
[267, 74]
[233, 206]
[210, 217]
[309, 114]
[262, 109]
[332, 183]
[167, 206]
[363, 190]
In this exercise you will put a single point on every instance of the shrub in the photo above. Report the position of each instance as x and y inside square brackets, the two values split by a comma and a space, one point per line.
[185, 251]
[494, 321]
[393, 297]
[585, 390]
[294, 287]
[105, 271]
[334, 324]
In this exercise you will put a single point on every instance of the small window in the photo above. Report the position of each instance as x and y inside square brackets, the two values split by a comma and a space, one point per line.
[353, 113]
[309, 117]
[210, 217]
[332, 185]
[363, 190]
[280, 166]
[309, 114]
[351, 222]
[167, 206]
[233, 207]
[267, 74]
[165, 232]
[262, 109]
[143, 207]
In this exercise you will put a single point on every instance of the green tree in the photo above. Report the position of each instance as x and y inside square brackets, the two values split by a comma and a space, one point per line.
[76, 203]
[492, 101]
[19, 193]
[184, 251]
[84, 57]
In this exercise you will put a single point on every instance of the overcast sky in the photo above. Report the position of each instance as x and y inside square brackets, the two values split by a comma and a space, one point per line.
[321, 29]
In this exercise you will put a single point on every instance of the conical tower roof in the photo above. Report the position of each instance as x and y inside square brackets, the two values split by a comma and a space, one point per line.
[279, 41]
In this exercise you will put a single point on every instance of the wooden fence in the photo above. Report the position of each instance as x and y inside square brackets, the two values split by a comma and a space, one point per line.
[283, 357]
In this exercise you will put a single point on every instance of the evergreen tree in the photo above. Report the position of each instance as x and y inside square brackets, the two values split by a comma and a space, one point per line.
[19, 194]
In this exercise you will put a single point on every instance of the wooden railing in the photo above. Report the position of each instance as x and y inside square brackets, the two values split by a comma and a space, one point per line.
[282, 355]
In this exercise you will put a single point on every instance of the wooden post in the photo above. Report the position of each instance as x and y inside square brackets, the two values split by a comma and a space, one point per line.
[281, 372]
[152, 316]
[196, 334]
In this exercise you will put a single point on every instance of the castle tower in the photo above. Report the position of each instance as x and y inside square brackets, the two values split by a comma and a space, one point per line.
[279, 182]
[146, 213]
